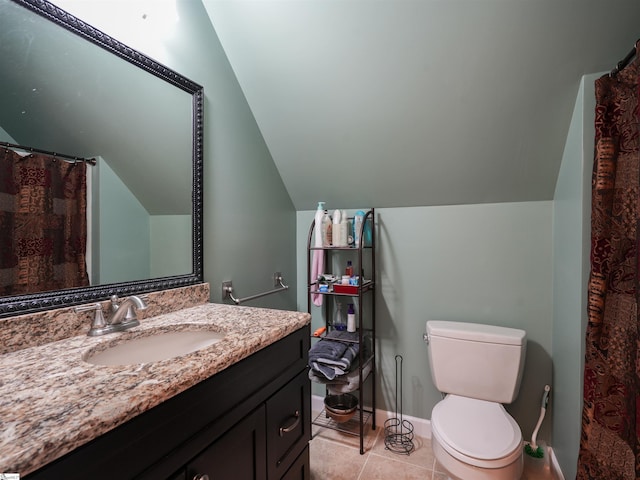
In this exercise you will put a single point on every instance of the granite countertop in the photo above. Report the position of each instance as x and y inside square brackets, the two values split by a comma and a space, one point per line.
[53, 401]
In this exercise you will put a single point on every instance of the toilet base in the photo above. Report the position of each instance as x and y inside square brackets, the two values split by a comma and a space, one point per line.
[458, 470]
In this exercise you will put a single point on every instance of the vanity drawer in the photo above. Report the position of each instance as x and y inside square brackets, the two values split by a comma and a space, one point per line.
[300, 470]
[288, 424]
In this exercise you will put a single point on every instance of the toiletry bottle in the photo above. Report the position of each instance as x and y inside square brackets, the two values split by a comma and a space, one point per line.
[351, 319]
[339, 319]
[349, 269]
[344, 229]
[317, 228]
[358, 220]
[336, 239]
[326, 230]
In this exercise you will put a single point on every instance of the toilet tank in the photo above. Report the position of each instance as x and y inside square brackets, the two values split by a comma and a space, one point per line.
[477, 361]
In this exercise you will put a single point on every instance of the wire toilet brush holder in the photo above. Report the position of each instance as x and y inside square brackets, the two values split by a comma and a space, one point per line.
[398, 432]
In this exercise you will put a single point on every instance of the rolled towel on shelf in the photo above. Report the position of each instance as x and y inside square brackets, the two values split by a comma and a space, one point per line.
[344, 383]
[332, 368]
[332, 356]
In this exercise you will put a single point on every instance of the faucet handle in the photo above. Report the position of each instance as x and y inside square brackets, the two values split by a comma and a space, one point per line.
[99, 324]
[114, 302]
[98, 318]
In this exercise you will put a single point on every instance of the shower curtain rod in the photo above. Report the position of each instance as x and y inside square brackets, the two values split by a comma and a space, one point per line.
[626, 60]
[90, 161]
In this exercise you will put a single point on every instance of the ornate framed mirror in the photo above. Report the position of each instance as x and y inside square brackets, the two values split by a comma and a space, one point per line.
[67, 87]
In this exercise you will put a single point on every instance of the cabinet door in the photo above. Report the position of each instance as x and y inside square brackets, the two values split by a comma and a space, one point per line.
[300, 470]
[288, 424]
[181, 475]
[239, 453]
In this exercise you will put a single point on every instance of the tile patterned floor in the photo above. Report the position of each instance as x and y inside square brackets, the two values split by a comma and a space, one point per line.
[336, 456]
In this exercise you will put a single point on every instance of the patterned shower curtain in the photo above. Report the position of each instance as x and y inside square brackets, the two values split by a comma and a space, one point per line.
[610, 442]
[43, 229]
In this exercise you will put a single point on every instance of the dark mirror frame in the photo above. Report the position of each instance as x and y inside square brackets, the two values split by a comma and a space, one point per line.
[21, 304]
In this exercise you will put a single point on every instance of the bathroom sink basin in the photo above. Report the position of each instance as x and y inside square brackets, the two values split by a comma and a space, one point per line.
[152, 348]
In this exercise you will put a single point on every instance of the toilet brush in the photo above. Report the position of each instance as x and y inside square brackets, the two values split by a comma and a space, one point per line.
[532, 448]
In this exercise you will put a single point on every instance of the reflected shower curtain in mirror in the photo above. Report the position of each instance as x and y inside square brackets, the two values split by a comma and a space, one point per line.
[43, 228]
[609, 443]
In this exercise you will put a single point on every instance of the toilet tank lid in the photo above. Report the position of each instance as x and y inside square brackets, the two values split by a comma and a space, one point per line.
[476, 332]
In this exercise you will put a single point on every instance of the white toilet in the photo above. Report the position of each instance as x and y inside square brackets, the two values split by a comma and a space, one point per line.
[478, 367]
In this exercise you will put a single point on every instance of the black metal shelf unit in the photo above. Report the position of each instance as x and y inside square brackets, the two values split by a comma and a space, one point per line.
[364, 295]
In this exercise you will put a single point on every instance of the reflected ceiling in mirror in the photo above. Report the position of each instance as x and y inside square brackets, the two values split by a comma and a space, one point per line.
[67, 87]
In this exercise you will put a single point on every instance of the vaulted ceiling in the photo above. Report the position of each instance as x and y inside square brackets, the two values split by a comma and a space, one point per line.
[418, 102]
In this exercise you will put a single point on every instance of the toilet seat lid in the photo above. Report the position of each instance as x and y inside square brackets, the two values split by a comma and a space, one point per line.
[476, 428]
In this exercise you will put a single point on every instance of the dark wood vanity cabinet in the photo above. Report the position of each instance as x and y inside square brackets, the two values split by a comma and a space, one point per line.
[250, 421]
[263, 445]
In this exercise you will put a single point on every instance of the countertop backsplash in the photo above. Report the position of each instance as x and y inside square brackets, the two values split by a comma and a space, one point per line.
[35, 329]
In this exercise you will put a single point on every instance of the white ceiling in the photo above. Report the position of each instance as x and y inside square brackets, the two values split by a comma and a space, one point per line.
[418, 102]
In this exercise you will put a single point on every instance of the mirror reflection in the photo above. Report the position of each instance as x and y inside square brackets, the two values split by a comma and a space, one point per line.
[62, 93]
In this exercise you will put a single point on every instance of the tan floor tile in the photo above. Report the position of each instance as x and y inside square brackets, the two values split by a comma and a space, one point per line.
[333, 461]
[531, 472]
[336, 456]
[422, 454]
[440, 476]
[438, 469]
[384, 468]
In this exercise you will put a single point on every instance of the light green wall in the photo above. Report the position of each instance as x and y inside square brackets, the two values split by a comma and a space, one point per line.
[5, 137]
[249, 220]
[571, 233]
[121, 219]
[171, 245]
[480, 263]
[129, 243]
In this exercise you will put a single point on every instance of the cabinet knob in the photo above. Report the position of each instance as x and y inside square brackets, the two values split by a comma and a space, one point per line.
[291, 427]
[201, 476]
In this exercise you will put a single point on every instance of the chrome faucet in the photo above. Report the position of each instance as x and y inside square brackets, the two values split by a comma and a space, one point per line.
[123, 315]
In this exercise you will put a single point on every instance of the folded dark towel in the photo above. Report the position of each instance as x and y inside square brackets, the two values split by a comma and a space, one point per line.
[331, 356]
[326, 349]
[343, 383]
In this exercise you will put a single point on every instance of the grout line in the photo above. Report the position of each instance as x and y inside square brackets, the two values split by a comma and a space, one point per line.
[400, 458]
[364, 465]
[368, 452]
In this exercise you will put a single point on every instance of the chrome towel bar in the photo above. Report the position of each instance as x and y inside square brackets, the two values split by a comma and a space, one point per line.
[227, 290]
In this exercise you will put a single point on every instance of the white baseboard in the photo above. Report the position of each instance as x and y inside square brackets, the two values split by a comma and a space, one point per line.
[422, 428]
[555, 466]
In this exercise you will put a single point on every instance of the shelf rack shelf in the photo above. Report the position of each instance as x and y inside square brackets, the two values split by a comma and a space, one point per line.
[350, 427]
